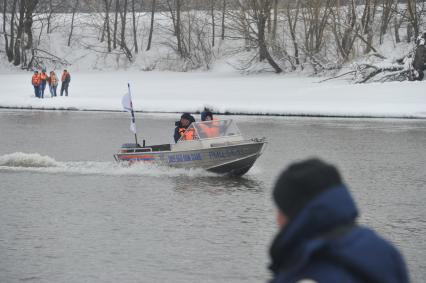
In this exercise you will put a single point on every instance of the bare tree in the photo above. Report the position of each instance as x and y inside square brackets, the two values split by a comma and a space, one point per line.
[256, 14]
[315, 18]
[28, 23]
[178, 27]
[345, 28]
[74, 10]
[123, 44]
[387, 8]
[117, 10]
[151, 28]
[24, 36]
[10, 50]
[49, 16]
[367, 22]
[107, 23]
[413, 15]
[6, 42]
[19, 34]
[223, 19]
[123, 16]
[275, 20]
[292, 20]
[196, 41]
[175, 9]
[212, 7]
[135, 39]
[398, 20]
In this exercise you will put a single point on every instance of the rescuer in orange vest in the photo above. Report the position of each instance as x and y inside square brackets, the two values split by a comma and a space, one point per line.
[188, 134]
[181, 126]
[211, 128]
[36, 81]
[53, 83]
[43, 78]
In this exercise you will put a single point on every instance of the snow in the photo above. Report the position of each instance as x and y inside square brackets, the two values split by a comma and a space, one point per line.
[224, 91]
[99, 80]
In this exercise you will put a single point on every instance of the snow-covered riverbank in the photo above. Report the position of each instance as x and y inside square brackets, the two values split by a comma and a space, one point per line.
[224, 92]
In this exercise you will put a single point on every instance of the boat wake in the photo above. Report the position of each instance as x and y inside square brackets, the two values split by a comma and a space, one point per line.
[35, 162]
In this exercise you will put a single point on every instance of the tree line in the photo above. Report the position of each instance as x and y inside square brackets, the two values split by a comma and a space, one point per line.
[285, 34]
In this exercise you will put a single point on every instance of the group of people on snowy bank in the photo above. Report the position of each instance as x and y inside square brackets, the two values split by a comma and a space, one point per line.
[419, 61]
[40, 80]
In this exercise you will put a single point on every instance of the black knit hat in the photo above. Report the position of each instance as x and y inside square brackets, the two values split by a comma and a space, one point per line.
[301, 182]
[188, 116]
[206, 114]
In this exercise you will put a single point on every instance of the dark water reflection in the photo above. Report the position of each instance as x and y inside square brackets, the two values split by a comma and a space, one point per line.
[78, 217]
[215, 185]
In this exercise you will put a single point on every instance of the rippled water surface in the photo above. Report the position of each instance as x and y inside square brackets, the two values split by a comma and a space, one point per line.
[68, 213]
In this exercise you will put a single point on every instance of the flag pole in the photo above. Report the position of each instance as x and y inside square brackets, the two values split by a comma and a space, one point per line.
[133, 114]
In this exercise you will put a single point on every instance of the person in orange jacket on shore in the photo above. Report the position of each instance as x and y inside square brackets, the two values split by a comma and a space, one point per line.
[43, 79]
[53, 83]
[65, 79]
[36, 81]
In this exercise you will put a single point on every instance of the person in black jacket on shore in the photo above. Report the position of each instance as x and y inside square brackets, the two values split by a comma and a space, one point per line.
[65, 79]
[419, 62]
[319, 239]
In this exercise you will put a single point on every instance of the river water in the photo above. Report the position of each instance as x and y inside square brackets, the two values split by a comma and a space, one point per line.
[68, 213]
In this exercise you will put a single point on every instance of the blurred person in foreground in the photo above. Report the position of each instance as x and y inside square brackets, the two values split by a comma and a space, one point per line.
[319, 239]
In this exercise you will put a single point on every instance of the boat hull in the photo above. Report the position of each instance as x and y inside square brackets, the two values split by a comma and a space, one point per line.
[234, 160]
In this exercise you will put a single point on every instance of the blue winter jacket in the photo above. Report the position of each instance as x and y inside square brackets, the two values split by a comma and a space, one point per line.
[323, 243]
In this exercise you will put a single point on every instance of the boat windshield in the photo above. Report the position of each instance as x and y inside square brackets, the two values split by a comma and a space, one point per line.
[211, 129]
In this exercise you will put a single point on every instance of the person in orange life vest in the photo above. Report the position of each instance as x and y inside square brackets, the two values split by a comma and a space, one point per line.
[204, 113]
[65, 79]
[36, 81]
[53, 83]
[210, 129]
[185, 121]
[189, 134]
[43, 78]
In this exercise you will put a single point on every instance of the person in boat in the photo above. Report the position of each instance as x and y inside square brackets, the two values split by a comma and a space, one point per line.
[319, 239]
[180, 131]
[210, 129]
[204, 113]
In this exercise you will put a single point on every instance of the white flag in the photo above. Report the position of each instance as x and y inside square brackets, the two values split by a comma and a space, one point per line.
[126, 101]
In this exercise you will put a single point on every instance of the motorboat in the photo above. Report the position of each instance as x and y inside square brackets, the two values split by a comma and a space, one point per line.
[216, 146]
